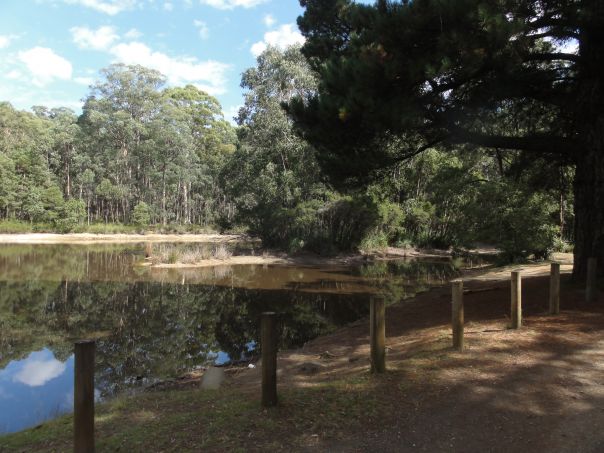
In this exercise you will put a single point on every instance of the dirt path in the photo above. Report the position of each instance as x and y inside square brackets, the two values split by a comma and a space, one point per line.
[537, 389]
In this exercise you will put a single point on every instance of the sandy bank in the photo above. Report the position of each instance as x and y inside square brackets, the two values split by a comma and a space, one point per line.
[308, 259]
[88, 238]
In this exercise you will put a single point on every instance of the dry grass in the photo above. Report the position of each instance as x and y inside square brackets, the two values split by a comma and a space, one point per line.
[169, 254]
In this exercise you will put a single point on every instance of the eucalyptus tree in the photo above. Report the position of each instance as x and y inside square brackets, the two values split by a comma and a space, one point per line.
[210, 140]
[272, 168]
[116, 117]
[503, 74]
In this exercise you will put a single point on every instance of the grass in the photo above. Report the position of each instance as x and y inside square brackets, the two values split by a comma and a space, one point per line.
[12, 226]
[168, 253]
[220, 420]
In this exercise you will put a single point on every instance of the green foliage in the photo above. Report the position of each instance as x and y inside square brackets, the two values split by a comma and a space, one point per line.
[141, 215]
[14, 226]
[397, 78]
[135, 141]
[517, 221]
[73, 214]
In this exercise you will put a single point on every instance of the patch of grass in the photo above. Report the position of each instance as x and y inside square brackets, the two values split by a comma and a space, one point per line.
[12, 226]
[222, 420]
[171, 254]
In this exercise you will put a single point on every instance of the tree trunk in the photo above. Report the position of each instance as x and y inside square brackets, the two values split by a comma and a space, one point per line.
[589, 203]
[589, 177]
[163, 198]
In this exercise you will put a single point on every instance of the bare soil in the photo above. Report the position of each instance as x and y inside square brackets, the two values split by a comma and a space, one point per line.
[539, 388]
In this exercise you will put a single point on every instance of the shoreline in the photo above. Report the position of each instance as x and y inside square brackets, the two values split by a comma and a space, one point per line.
[304, 259]
[118, 238]
[552, 362]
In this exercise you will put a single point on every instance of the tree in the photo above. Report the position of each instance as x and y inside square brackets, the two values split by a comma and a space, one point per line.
[397, 78]
[272, 168]
[142, 214]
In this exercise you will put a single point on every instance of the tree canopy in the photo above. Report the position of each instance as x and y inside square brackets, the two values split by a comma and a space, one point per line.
[397, 78]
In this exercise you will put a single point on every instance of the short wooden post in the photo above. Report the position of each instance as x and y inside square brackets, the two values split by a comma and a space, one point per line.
[83, 397]
[554, 289]
[457, 320]
[516, 313]
[269, 359]
[591, 289]
[377, 333]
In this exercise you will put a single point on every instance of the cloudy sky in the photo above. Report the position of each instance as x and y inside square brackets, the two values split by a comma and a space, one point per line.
[52, 50]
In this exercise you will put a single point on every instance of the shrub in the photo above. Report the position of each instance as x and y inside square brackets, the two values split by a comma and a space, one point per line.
[520, 223]
[141, 215]
[73, 214]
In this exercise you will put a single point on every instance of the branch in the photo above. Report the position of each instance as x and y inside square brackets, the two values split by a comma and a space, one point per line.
[538, 143]
[553, 56]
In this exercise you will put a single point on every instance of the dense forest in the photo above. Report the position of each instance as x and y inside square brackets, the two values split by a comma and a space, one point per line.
[142, 155]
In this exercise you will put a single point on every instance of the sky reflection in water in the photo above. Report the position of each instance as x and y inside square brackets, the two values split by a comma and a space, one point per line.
[157, 324]
[35, 389]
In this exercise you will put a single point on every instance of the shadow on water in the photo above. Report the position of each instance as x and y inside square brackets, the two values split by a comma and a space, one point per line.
[151, 325]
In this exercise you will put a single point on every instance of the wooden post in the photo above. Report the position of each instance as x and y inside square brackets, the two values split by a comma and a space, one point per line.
[269, 359]
[516, 300]
[457, 320]
[591, 289]
[377, 333]
[554, 289]
[83, 397]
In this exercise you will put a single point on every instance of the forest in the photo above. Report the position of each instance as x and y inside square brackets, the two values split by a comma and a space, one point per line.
[332, 150]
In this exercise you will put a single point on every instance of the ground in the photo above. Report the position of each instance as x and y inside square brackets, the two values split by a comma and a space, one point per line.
[539, 388]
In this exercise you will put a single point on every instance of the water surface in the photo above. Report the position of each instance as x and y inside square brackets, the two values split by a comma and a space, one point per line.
[154, 324]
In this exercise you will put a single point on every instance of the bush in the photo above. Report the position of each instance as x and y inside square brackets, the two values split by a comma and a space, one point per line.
[141, 215]
[73, 214]
[374, 241]
[520, 223]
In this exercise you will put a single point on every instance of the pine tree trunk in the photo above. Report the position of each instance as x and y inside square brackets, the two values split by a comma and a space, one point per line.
[589, 177]
[589, 203]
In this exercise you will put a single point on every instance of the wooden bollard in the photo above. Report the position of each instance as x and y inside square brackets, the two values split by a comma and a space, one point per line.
[377, 333]
[554, 289]
[516, 313]
[591, 288]
[269, 359]
[83, 397]
[457, 318]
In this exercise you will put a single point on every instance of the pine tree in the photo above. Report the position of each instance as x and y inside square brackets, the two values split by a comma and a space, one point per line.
[397, 78]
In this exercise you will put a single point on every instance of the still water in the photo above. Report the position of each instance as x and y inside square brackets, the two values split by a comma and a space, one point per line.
[153, 324]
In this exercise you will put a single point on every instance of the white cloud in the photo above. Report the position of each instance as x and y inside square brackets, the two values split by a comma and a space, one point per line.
[4, 41]
[168, 6]
[87, 81]
[111, 7]
[203, 29]
[45, 65]
[100, 39]
[208, 75]
[14, 74]
[231, 113]
[230, 4]
[38, 372]
[133, 33]
[286, 35]
[268, 20]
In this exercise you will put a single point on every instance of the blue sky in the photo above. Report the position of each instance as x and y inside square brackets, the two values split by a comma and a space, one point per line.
[51, 50]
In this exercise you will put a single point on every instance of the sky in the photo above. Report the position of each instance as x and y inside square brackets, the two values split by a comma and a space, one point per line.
[52, 50]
